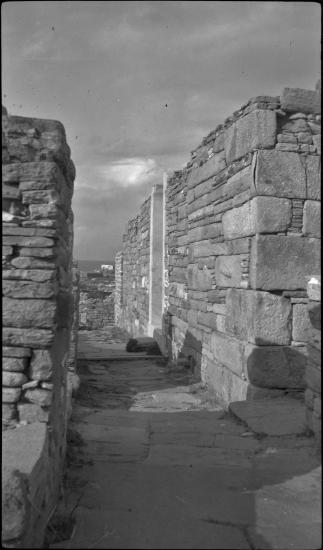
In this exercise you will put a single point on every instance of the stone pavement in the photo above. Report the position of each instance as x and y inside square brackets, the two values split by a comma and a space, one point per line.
[153, 463]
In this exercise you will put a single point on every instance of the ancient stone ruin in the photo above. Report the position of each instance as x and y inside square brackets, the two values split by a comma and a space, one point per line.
[38, 330]
[241, 226]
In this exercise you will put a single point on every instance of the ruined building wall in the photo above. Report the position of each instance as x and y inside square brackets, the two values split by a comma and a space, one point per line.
[37, 226]
[243, 240]
[118, 293]
[135, 282]
[313, 367]
[71, 362]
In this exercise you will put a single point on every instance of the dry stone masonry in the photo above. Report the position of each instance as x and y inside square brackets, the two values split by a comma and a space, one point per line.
[242, 240]
[38, 178]
[313, 367]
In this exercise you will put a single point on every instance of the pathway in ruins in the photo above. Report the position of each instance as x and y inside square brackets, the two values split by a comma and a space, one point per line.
[152, 463]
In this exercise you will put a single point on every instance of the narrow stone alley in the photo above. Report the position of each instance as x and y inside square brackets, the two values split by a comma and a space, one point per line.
[152, 462]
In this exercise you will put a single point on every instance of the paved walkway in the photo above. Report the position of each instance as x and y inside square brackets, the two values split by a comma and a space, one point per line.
[154, 464]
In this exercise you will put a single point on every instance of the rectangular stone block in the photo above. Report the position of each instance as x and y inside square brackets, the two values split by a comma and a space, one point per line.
[14, 364]
[204, 232]
[198, 279]
[24, 241]
[207, 249]
[29, 231]
[312, 219]
[28, 313]
[38, 252]
[26, 289]
[303, 330]
[258, 317]
[279, 262]
[239, 182]
[276, 366]
[280, 174]
[228, 351]
[15, 352]
[211, 167]
[32, 338]
[238, 246]
[298, 100]
[257, 130]
[30, 412]
[228, 271]
[38, 276]
[225, 384]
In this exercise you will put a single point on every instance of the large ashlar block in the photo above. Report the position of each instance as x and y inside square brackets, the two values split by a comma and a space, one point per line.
[280, 174]
[214, 165]
[276, 366]
[312, 219]
[199, 279]
[239, 182]
[258, 317]
[228, 271]
[260, 215]
[313, 177]
[298, 100]
[256, 130]
[228, 351]
[279, 262]
[28, 313]
[226, 385]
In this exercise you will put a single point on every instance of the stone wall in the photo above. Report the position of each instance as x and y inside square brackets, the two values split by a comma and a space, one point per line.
[243, 240]
[118, 293]
[135, 281]
[313, 367]
[72, 353]
[96, 312]
[38, 178]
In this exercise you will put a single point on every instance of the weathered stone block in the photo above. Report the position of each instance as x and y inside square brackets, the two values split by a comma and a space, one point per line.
[41, 365]
[39, 396]
[276, 366]
[36, 275]
[25, 289]
[258, 317]
[9, 412]
[239, 182]
[20, 240]
[214, 165]
[313, 377]
[198, 279]
[277, 261]
[29, 313]
[314, 288]
[33, 338]
[16, 352]
[226, 385]
[281, 174]
[228, 271]
[38, 252]
[13, 379]
[257, 130]
[15, 506]
[10, 395]
[313, 177]
[299, 100]
[14, 364]
[314, 314]
[312, 219]
[31, 412]
[22, 262]
[260, 215]
[228, 352]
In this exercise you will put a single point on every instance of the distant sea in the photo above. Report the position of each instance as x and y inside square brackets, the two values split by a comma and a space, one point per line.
[91, 265]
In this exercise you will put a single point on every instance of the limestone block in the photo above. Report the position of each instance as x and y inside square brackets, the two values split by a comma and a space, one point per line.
[26, 289]
[260, 215]
[13, 379]
[24, 241]
[299, 100]
[256, 130]
[15, 506]
[31, 412]
[276, 366]
[280, 174]
[29, 263]
[207, 249]
[29, 231]
[228, 271]
[239, 182]
[238, 246]
[37, 275]
[279, 261]
[228, 352]
[15, 352]
[10, 395]
[204, 232]
[39, 396]
[38, 252]
[226, 385]
[33, 338]
[202, 173]
[14, 364]
[312, 219]
[258, 317]
[29, 313]
[9, 412]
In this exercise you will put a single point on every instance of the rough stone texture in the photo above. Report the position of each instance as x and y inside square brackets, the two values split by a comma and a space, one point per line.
[38, 177]
[254, 131]
[280, 174]
[273, 265]
[299, 100]
[312, 331]
[312, 219]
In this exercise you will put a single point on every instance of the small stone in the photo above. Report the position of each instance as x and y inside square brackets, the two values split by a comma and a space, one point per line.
[31, 384]
[14, 364]
[39, 396]
[297, 115]
[13, 379]
[47, 385]
[10, 395]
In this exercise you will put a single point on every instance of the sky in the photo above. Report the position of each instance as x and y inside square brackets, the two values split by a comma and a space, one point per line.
[138, 85]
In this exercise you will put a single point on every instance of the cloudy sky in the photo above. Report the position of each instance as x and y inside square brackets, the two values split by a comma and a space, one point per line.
[138, 84]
